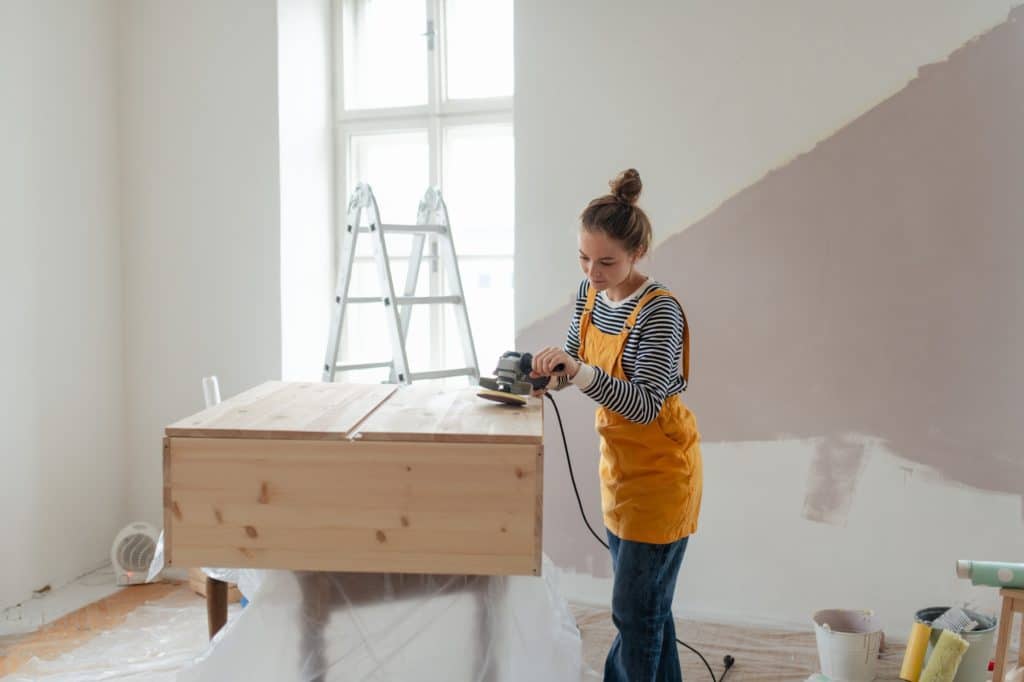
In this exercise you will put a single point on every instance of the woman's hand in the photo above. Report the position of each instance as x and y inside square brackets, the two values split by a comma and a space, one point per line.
[547, 359]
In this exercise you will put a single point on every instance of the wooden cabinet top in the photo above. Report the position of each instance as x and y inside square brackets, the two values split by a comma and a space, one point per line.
[373, 412]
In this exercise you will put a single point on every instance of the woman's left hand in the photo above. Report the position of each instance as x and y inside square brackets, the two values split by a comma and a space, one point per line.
[547, 359]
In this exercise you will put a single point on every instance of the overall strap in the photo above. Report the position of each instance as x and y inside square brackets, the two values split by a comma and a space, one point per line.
[631, 322]
[585, 320]
[591, 299]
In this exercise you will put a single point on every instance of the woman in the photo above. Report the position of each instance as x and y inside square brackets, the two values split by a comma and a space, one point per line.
[623, 350]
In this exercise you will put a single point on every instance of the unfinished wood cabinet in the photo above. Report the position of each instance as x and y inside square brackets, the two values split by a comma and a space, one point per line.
[341, 477]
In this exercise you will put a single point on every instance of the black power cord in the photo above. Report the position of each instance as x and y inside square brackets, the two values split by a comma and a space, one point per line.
[728, 660]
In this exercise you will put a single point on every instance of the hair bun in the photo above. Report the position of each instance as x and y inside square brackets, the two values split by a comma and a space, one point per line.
[627, 186]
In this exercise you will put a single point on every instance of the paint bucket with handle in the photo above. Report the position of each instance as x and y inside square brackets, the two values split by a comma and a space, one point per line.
[848, 644]
[974, 664]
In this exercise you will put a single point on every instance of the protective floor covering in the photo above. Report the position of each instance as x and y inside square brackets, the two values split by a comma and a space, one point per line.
[150, 632]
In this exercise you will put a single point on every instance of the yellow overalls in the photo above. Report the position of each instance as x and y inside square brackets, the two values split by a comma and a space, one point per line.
[651, 474]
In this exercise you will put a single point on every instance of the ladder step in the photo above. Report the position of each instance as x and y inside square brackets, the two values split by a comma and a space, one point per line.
[415, 376]
[406, 300]
[415, 229]
[420, 300]
[443, 373]
[361, 365]
[409, 229]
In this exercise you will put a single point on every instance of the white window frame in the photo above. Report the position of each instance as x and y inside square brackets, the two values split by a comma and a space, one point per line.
[436, 116]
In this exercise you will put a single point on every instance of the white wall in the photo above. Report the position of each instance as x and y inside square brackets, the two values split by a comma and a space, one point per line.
[150, 129]
[702, 97]
[199, 163]
[307, 177]
[63, 479]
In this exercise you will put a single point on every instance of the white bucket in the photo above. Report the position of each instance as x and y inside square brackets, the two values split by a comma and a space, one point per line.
[848, 644]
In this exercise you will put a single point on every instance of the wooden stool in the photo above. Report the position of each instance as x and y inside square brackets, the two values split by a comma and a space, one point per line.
[1013, 602]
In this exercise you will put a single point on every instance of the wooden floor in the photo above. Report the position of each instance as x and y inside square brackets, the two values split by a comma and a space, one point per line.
[77, 628]
[762, 655]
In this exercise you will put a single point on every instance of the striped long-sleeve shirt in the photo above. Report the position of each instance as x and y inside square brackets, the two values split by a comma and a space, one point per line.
[650, 358]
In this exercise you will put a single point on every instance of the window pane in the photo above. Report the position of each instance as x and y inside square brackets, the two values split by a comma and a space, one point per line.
[366, 336]
[488, 286]
[479, 188]
[479, 34]
[395, 165]
[385, 53]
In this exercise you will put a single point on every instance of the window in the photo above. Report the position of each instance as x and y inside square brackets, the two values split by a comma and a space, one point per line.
[424, 98]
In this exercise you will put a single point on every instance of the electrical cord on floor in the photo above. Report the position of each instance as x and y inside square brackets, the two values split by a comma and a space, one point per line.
[728, 660]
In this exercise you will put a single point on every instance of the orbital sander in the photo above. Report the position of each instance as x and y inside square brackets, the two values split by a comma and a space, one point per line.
[511, 383]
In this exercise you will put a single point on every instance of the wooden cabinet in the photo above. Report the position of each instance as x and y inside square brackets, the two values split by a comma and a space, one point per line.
[368, 478]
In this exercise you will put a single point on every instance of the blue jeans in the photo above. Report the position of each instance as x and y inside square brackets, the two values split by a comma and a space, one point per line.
[644, 650]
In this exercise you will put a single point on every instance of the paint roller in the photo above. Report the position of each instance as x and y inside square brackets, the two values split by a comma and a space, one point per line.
[992, 573]
[945, 658]
[917, 647]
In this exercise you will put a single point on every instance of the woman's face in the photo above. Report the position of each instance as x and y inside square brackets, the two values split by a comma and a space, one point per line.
[603, 259]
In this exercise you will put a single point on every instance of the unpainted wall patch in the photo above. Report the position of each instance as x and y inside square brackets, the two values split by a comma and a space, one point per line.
[832, 480]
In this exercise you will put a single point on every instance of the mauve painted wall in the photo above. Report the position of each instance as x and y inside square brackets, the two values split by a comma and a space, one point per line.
[872, 287]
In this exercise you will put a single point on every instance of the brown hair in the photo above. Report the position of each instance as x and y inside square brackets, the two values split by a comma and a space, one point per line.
[618, 216]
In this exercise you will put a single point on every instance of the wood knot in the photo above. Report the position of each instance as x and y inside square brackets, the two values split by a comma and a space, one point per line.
[251, 532]
[519, 472]
[381, 537]
[504, 529]
[405, 521]
[408, 468]
[220, 517]
[177, 510]
[264, 493]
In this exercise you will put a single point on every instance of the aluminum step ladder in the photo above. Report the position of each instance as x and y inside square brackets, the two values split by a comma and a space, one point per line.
[363, 217]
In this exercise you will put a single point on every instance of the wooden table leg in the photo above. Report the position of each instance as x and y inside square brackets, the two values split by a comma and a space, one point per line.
[317, 603]
[216, 604]
[485, 613]
[1005, 628]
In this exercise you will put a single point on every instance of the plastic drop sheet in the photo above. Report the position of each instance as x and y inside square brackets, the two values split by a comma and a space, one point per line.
[397, 628]
[154, 643]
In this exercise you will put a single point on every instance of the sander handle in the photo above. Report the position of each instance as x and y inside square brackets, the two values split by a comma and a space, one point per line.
[526, 367]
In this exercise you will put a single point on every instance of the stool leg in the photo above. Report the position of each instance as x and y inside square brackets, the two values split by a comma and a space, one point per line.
[216, 604]
[1005, 627]
[1020, 650]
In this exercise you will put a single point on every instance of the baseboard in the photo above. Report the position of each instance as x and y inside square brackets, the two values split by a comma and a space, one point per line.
[39, 610]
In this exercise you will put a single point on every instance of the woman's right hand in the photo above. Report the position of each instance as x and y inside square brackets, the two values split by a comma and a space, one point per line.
[553, 361]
